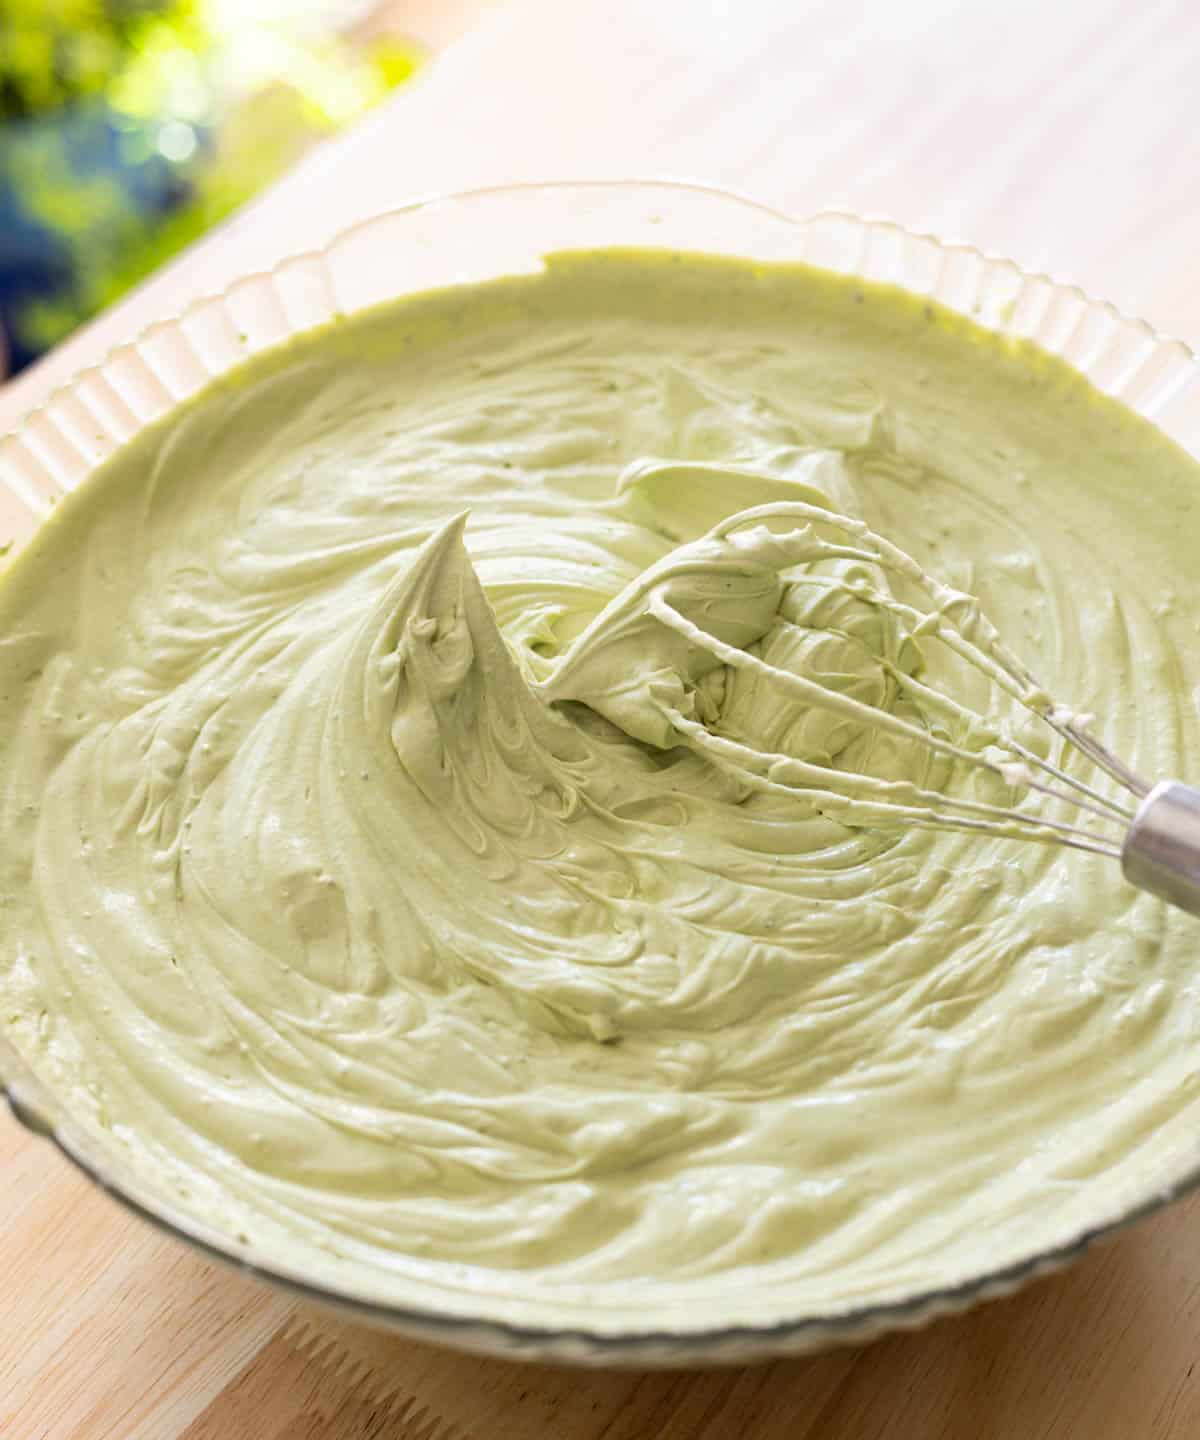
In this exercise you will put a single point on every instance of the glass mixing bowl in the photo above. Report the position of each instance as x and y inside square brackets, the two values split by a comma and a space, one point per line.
[458, 240]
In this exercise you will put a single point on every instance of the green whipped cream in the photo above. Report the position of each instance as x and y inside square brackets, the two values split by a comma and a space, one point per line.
[375, 926]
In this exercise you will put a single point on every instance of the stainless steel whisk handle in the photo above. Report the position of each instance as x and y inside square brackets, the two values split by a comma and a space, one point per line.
[1161, 853]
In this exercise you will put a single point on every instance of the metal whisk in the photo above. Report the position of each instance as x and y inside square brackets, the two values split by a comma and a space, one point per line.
[698, 613]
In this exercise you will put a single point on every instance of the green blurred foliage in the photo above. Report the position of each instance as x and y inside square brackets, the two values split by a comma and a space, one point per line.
[56, 52]
[206, 114]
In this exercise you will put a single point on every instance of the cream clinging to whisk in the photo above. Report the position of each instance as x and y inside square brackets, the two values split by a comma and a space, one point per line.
[703, 613]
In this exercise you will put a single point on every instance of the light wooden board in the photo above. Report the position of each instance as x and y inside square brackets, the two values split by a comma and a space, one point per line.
[1059, 132]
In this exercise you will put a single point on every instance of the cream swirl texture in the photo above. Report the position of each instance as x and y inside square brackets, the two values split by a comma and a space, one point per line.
[369, 913]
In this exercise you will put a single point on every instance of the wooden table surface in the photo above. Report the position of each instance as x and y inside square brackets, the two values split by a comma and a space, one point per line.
[1060, 133]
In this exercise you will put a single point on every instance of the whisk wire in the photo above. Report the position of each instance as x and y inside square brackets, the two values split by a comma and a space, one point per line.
[961, 814]
[957, 621]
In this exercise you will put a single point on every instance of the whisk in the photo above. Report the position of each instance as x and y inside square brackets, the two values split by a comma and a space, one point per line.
[651, 661]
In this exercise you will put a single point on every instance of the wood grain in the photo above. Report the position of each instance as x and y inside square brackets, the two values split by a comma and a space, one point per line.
[1106, 1349]
[1061, 133]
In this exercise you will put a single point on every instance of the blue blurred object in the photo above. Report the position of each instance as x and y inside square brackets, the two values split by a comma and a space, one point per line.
[77, 187]
[128, 128]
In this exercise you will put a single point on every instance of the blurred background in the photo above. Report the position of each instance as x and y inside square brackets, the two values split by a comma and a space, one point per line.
[130, 127]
